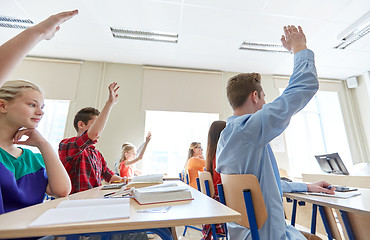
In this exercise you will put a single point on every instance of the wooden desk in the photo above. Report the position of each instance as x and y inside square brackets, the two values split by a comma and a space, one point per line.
[354, 211]
[201, 210]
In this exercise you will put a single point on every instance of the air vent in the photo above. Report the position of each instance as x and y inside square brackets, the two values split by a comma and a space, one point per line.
[264, 47]
[13, 22]
[354, 32]
[144, 35]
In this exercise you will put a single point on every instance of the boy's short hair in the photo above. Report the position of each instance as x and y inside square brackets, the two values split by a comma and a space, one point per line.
[85, 115]
[240, 86]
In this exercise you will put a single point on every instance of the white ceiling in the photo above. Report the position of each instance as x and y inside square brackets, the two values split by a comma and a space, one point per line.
[210, 32]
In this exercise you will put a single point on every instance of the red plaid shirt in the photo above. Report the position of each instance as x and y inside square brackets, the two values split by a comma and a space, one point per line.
[85, 165]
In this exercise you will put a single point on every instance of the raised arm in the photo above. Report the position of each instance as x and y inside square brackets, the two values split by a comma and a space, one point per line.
[274, 117]
[141, 154]
[97, 127]
[13, 51]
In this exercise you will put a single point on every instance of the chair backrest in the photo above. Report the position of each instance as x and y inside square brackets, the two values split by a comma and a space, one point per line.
[203, 176]
[233, 185]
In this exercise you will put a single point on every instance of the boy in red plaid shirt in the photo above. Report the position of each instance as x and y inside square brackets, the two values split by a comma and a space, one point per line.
[85, 164]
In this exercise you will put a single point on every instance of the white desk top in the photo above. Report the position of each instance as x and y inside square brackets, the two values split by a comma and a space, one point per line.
[359, 204]
[201, 210]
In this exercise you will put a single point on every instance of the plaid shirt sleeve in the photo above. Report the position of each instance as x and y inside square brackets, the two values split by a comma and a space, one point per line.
[106, 173]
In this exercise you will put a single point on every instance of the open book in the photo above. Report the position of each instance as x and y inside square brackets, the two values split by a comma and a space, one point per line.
[74, 211]
[145, 181]
[165, 192]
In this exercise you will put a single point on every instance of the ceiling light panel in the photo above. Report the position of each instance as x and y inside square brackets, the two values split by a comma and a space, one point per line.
[144, 35]
[354, 32]
[14, 22]
[264, 47]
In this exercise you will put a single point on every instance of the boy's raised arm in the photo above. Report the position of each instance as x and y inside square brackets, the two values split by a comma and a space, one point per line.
[97, 127]
[13, 51]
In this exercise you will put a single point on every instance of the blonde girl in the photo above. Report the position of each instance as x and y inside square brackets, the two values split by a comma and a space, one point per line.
[195, 162]
[128, 158]
[25, 176]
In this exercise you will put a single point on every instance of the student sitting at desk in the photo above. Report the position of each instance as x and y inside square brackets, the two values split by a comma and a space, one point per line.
[25, 176]
[85, 165]
[243, 147]
[195, 162]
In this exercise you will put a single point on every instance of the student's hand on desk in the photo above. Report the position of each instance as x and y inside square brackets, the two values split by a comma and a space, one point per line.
[50, 26]
[113, 95]
[321, 186]
[294, 39]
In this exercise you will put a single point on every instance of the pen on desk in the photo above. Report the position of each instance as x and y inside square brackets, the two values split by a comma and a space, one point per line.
[108, 194]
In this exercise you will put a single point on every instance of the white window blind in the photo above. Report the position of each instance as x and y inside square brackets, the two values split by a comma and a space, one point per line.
[180, 90]
[57, 78]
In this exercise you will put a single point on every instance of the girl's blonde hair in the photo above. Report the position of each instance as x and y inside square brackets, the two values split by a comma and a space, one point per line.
[126, 147]
[191, 151]
[11, 89]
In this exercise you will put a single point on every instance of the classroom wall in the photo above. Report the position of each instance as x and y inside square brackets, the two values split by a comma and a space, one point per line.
[127, 120]
[361, 96]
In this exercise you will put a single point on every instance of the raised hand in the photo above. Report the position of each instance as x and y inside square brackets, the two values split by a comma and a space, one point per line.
[148, 137]
[113, 95]
[294, 39]
[50, 26]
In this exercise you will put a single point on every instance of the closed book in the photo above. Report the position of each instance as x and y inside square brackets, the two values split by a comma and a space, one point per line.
[166, 192]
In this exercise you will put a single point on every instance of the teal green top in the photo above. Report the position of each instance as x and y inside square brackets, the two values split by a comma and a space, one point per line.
[27, 163]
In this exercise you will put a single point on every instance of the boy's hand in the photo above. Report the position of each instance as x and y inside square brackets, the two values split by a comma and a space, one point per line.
[34, 137]
[113, 96]
[321, 186]
[50, 26]
[294, 39]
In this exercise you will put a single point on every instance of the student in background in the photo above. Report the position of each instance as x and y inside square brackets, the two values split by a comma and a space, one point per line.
[213, 136]
[85, 165]
[128, 158]
[195, 162]
[25, 176]
[243, 147]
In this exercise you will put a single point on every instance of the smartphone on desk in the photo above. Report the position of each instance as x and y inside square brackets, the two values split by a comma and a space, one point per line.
[344, 189]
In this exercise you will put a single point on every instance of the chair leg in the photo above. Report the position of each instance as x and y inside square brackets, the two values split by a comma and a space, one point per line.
[251, 214]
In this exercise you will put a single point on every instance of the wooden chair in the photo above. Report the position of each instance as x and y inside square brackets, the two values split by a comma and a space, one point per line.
[205, 185]
[242, 193]
[184, 176]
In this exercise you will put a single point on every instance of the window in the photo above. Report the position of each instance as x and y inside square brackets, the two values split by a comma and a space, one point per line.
[317, 129]
[53, 123]
[172, 134]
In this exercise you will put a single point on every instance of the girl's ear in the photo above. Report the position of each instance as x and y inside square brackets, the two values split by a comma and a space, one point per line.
[3, 106]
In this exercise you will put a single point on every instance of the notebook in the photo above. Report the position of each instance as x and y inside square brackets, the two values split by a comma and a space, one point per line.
[336, 195]
[75, 211]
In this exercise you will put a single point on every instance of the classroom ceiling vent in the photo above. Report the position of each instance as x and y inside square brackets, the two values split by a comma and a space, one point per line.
[264, 47]
[14, 22]
[354, 32]
[144, 35]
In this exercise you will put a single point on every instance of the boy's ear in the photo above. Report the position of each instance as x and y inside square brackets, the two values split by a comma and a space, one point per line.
[254, 96]
[3, 106]
[80, 124]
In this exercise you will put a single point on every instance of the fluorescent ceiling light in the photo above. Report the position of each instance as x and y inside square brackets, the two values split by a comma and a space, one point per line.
[354, 32]
[143, 35]
[265, 47]
[13, 22]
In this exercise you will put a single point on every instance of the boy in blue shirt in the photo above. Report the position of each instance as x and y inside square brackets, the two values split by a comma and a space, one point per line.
[243, 147]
